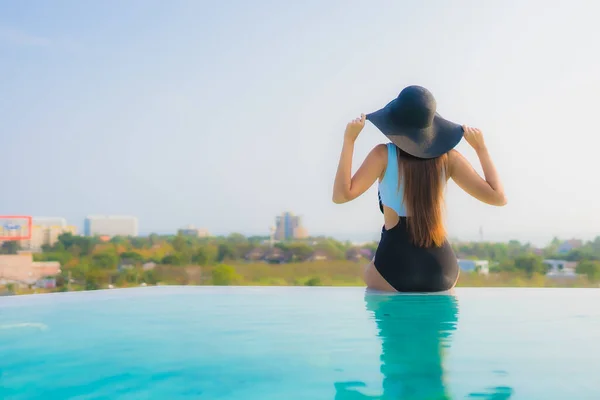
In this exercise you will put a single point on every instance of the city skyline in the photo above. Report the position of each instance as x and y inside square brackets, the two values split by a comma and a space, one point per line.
[355, 237]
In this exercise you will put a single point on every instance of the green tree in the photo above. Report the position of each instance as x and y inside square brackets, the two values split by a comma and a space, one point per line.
[150, 277]
[314, 281]
[96, 278]
[173, 259]
[332, 248]
[139, 242]
[180, 244]
[300, 251]
[105, 260]
[183, 248]
[552, 249]
[255, 241]
[132, 255]
[507, 266]
[285, 246]
[589, 268]
[237, 238]
[153, 239]
[226, 252]
[67, 240]
[119, 240]
[530, 264]
[62, 257]
[595, 246]
[205, 255]
[584, 253]
[75, 250]
[91, 282]
[223, 275]
[78, 272]
[10, 247]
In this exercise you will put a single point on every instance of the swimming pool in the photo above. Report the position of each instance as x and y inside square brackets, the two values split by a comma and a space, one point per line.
[300, 343]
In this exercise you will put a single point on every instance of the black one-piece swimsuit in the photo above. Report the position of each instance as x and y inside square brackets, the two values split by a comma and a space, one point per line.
[409, 268]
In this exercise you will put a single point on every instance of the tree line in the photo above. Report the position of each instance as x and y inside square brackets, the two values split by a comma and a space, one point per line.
[129, 260]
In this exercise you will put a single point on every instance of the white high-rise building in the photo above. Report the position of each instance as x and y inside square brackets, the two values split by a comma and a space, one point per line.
[110, 225]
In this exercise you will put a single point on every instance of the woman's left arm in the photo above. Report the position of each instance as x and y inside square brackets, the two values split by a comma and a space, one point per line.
[347, 187]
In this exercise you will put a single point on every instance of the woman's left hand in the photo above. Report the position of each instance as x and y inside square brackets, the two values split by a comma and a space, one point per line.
[354, 128]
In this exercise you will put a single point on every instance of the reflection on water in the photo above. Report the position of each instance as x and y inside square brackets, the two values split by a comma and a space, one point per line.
[415, 331]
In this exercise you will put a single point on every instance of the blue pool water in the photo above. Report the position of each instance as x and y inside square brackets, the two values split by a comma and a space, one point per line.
[300, 343]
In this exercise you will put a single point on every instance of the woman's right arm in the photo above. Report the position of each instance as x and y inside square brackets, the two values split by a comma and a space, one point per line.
[490, 190]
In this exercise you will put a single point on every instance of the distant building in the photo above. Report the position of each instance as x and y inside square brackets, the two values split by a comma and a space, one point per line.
[22, 270]
[276, 256]
[111, 225]
[45, 232]
[482, 266]
[126, 264]
[190, 230]
[561, 268]
[16, 227]
[46, 283]
[319, 255]
[289, 226]
[148, 266]
[359, 254]
[300, 232]
[256, 254]
[569, 245]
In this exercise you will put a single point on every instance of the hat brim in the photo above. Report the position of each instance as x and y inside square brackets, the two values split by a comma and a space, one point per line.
[430, 142]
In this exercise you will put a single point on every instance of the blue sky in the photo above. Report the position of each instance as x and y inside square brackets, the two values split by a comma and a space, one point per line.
[223, 114]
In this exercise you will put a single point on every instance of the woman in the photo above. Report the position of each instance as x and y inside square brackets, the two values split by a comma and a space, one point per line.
[414, 254]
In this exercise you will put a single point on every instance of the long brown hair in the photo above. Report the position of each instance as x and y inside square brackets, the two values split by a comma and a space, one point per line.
[423, 181]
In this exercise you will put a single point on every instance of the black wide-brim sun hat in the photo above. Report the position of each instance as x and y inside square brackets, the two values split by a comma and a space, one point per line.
[412, 123]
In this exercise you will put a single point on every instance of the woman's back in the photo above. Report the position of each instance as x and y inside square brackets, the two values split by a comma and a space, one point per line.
[415, 187]
[413, 253]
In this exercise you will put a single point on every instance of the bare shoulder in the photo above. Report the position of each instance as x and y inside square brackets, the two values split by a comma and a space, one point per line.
[454, 155]
[380, 150]
[455, 161]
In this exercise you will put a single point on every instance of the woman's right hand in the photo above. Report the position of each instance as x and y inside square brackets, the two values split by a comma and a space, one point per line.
[474, 137]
